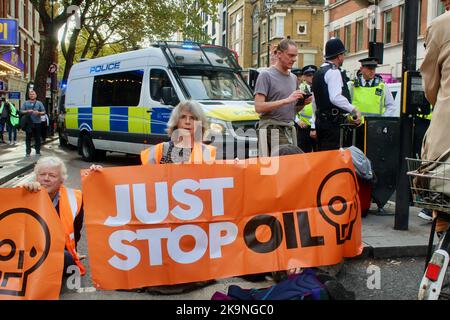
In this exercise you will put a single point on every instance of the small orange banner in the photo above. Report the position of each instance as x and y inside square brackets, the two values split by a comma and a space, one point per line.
[31, 246]
[168, 224]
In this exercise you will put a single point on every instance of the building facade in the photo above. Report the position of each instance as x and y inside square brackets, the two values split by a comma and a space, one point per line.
[353, 22]
[242, 25]
[18, 63]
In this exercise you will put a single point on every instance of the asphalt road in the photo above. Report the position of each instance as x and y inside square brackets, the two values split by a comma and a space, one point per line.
[369, 279]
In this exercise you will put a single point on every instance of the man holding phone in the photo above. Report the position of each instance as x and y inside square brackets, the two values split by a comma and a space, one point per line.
[277, 100]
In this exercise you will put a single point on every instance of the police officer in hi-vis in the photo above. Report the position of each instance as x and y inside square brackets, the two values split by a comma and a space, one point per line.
[369, 92]
[332, 97]
[304, 118]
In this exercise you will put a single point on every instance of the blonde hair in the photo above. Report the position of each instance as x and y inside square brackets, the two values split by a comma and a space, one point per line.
[191, 106]
[53, 162]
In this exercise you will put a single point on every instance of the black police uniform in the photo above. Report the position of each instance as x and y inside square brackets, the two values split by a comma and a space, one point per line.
[328, 116]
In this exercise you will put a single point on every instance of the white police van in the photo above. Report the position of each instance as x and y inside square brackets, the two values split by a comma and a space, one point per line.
[122, 102]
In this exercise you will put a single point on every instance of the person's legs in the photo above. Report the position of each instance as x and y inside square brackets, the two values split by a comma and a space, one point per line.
[327, 136]
[2, 127]
[9, 128]
[37, 137]
[14, 135]
[29, 133]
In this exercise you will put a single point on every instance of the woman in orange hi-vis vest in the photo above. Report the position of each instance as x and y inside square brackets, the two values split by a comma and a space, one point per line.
[51, 173]
[186, 127]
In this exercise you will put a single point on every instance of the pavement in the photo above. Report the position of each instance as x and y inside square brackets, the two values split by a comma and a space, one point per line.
[380, 239]
[13, 162]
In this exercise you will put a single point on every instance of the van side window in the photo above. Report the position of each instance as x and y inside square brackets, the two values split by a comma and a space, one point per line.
[117, 89]
[158, 79]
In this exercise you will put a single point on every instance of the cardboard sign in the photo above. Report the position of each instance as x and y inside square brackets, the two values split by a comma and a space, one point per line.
[31, 246]
[167, 224]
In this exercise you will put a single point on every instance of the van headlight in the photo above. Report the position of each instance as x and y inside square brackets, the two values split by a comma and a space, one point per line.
[218, 127]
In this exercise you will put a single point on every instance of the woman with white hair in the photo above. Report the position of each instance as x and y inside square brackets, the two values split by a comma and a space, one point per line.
[186, 127]
[50, 173]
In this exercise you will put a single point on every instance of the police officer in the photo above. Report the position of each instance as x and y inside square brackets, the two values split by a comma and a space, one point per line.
[332, 97]
[304, 118]
[298, 72]
[369, 92]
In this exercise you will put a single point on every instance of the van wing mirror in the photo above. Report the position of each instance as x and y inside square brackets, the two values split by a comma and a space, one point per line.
[169, 97]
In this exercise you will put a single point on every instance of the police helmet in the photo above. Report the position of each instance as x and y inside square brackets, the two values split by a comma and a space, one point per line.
[310, 69]
[334, 47]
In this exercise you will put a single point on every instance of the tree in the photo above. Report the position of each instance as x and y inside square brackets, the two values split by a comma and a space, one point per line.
[51, 23]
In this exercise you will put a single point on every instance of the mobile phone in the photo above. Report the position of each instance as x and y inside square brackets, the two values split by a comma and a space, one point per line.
[301, 101]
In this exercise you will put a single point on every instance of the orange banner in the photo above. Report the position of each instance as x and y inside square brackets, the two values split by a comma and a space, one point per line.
[31, 246]
[167, 224]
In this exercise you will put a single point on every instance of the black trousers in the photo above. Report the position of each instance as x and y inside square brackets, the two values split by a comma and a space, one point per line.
[328, 135]
[35, 132]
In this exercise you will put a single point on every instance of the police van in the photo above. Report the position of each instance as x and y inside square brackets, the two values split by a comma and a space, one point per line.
[122, 102]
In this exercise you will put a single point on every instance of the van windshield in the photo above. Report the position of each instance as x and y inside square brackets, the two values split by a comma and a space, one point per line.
[215, 85]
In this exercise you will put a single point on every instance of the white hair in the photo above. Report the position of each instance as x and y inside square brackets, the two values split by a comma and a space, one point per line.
[191, 106]
[53, 162]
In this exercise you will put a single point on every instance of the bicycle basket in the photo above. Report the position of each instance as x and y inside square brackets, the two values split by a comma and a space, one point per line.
[430, 184]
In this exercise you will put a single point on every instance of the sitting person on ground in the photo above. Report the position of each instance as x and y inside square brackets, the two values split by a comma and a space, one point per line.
[50, 174]
[186, 144]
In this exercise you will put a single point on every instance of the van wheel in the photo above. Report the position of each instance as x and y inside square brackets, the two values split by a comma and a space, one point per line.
[87, 148]
[62, 141]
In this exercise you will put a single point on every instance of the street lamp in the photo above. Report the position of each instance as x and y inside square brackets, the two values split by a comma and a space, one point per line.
[268, 5]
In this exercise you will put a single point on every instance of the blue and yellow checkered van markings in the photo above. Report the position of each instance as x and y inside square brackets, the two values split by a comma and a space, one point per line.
[85, 117]
[101, 119]
[119, 119]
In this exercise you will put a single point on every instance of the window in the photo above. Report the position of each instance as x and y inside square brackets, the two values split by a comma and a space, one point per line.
[117, 89]
[255, 28]
[337, 33]
[278, 27]
[233, 30]
[440, 8]
[213, 27]
[158, 80]
[401, 25]
[308, 59]
[214, 85]
[388, 26]
[348, 37]
[12, 8]
[238, 27]
[255, 44]
[419, 23]
[302, 28]
[21, 12]
[359, 35]
[224, 21]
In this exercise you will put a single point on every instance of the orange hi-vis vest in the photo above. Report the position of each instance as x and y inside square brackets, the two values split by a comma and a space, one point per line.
[70, 201]
[201, 152]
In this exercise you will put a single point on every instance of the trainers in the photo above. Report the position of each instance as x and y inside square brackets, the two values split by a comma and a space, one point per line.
[426, 214]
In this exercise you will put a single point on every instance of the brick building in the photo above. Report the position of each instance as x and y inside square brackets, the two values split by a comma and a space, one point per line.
[349, 20]
[18, 64]
[242, 26]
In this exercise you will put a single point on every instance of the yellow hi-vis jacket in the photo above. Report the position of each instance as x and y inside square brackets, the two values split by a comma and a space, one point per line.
[369, 100]
[201, 152]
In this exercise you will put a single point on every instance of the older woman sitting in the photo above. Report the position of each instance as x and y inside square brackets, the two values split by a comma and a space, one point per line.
[186, 127]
